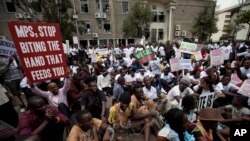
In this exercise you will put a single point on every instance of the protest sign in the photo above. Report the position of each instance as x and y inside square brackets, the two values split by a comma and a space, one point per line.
[175, 64]
[139, 41]
[102, 51]
[40, 49]
[75, 40]
[235, 79]
[188, 47]
[145, 55]
[7, 48]
[245, 88]
[198, 56]
[186, 64]
[216, 57]
[206, 101]
[66, 47]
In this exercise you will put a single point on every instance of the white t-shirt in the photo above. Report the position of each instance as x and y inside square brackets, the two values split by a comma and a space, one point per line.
[203, 92]
[162, 51]
[129, 78]
[103, 82]
[168, 133]
[74, 69]
[219, 87]
[245, 71]
[152, 93]
[168, 77]
[226, 51]
[175, 91]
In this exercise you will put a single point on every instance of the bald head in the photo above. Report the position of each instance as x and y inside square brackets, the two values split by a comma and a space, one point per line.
[36, 102]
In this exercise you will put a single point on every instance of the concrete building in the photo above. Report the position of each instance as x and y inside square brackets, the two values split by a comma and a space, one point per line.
[173, 19]
[226, 18]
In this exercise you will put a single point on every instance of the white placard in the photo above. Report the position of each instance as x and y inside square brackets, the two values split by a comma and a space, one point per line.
[206, 101]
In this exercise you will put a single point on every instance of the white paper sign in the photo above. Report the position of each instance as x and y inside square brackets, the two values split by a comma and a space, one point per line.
[206, 101]
[7, 48]
[175, 64]
[245, 88]
[186, 64]
[216, 57]
[75, 40]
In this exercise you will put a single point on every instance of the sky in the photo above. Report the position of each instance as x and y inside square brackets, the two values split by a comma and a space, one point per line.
[222, 4]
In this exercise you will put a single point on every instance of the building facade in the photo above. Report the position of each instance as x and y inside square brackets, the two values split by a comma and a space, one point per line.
[172, 20]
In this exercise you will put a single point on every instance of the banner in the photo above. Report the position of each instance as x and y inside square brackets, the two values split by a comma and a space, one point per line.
[245, 88]
[235, 79]
[40, 49]
[206, 101]
[188, 47]
[102, 51]
[7, 48]
[145, 55]
[198, 56]
[186, 64]
[216, 57]
[175, 64]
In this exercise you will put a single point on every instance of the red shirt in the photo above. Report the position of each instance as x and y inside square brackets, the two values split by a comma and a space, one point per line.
[29, 122]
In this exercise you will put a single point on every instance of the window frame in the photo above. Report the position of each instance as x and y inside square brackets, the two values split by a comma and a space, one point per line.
[127, 7]
[87, 2]
[6, 7]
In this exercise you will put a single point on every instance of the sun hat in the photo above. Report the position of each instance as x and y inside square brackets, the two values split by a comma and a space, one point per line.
[210, 114]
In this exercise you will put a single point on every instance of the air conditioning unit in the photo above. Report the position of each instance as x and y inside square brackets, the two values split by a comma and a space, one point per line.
[177, 33]
[75, 16]
[95, 35]
[177, 27]
[183, 33]
[3, 37]
[26, 15]
[19, 15]
[97, 15]
[104, 16]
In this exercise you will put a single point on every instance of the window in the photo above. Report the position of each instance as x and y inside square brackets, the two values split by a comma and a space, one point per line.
[37, 7]
[10, 6]
[86, 27]
[154, 7]
[103, 42]
[107, 26]
[227, 21]
[84, 6]
[155, 16]
[124, 7]
[97, 5]
[160, 34]
[161, 17]
[105, 6]
[228, 16]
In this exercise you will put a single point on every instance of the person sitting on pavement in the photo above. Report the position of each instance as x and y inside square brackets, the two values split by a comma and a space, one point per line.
[43, 120]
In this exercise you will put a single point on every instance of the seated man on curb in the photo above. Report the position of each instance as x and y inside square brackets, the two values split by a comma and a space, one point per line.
[88, 128]
[43, 120]
[55, 96]
[144, 112]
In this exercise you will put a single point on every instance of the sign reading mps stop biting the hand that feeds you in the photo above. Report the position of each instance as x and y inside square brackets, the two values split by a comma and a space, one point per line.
[39, 46]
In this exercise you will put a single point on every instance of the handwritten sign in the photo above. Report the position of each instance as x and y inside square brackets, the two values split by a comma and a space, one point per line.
[40, 49]
[175, 64]
[235, 79]
[7, 48]
[186, 64]
[188, 47]
[145, 55]
[245, 88]
[216, 57]
[206, 101]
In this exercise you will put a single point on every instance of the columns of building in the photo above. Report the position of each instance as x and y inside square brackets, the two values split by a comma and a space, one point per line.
[170, 9]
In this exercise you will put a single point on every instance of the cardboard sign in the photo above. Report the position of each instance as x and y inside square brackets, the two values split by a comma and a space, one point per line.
[145, 55]
[40, 49]
[206, 101]
[175, 64]
[186, 64]
[188, 47]
[75, 40]
[216, 57]
[102, 51]
[245, 88]
[198, 56]
[7, 48]
[235, 79]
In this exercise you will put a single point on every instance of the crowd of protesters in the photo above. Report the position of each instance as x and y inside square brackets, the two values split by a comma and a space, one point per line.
[148, 99]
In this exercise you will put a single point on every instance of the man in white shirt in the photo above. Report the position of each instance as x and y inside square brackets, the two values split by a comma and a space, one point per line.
[148, 90]
[130, 78]
[226, 50]
[162, 51]
[104, 82]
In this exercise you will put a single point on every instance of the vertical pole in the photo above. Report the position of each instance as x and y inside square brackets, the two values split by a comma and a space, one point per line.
[76, 24]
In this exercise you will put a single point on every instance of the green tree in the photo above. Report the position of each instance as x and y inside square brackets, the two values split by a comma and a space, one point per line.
[204, 25]
[243, 18]
[56, 11]
[138, 20]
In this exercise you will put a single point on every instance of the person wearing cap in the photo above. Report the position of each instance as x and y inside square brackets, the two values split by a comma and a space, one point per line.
[209, 125]
[178, 92]
[104, 82]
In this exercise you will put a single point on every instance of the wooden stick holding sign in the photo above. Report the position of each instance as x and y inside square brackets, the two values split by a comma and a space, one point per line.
[206, 101]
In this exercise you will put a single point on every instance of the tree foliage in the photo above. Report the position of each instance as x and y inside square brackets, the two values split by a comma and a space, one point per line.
[56, 11]
[138, 20]
[204, 25]
[243, 18]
